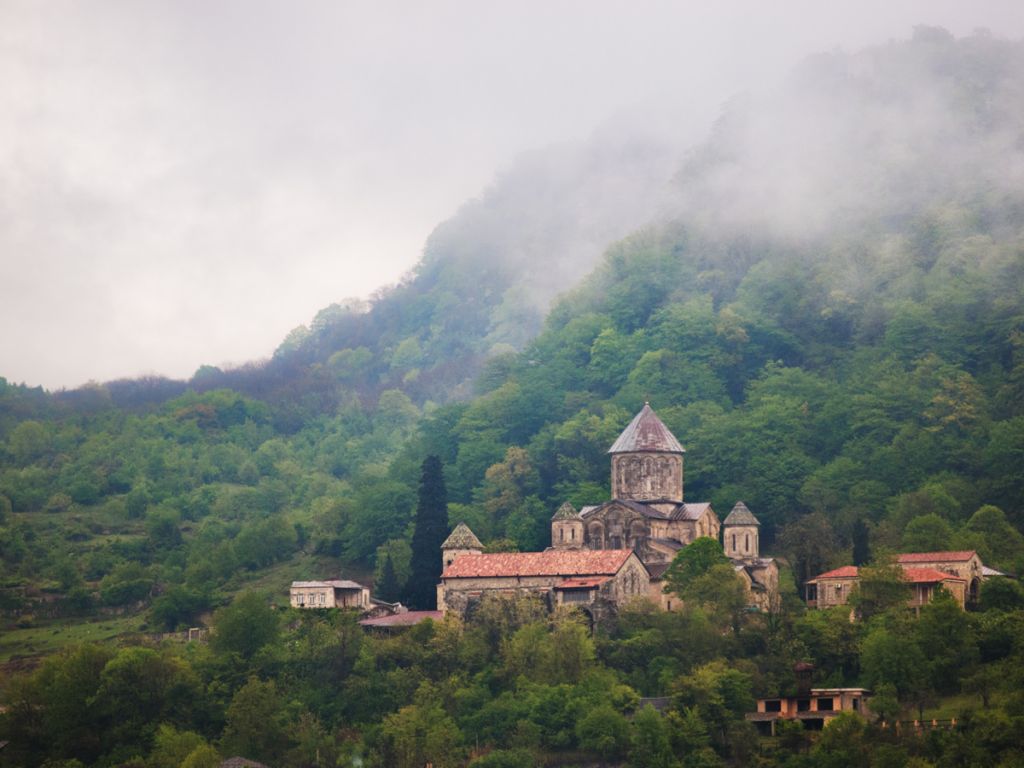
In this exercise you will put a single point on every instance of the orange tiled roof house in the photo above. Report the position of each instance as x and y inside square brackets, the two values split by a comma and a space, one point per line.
[960, 573]
[646, 517]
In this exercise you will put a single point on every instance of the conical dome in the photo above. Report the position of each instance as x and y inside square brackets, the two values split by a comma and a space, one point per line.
[740, 515]
[646, 433]
[462, 538]
[566, 512]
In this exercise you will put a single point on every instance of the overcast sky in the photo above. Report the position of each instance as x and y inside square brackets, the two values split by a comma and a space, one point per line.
[184, 182]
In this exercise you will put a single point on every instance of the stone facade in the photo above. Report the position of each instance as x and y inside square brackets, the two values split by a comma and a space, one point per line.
[648, 514]
[329, 594]
[834, 587]
[646, 518]
[965, 564]
[647, 477]
[596, 581]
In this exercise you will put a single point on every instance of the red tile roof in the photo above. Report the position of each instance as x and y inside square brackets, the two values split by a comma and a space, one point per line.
[582, 582]
[927, 576]
[550, 562]
[846, 572]
[936, 557]
[402, 619]
[913, 575]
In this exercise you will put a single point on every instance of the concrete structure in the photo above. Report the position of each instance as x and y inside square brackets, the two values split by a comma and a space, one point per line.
[814, 707]
[597, 581]
[336, 593]
[647, 513]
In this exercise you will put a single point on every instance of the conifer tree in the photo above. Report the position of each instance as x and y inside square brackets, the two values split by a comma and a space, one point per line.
[861, 543]
[431, 531]
[388, 588]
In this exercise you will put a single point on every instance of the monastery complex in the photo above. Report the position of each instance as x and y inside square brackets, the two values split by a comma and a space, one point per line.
[605, 555]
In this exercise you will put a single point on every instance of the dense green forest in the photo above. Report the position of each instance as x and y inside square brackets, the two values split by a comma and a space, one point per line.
[832, 322]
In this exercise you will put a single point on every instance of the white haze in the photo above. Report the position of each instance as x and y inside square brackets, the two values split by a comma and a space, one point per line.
[183, 182]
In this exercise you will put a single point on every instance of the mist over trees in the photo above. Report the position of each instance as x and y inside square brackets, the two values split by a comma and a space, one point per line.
[824, 300]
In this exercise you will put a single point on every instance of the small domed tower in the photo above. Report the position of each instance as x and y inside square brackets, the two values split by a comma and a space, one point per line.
[567, 528]
[740, 534]
[461, 541]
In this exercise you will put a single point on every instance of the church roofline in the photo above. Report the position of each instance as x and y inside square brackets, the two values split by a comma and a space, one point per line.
[646, 433]
[462, 538]
[740, 515]
[566, 512]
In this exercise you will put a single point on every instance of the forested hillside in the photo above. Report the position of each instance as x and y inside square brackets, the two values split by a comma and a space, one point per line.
[830, 317]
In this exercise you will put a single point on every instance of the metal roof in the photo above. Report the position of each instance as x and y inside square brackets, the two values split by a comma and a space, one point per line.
[690, 511]
[405, 619]
[582, 582]
[646, 433]
[336, 583]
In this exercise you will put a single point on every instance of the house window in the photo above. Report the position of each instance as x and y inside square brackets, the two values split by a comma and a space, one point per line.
[773, 705]
[561, 534]
[825, 705]
[572, 534]
[300, 599]
[746, 546]
[734, 542]
[576, 596]
[803, 705]
[856, 705]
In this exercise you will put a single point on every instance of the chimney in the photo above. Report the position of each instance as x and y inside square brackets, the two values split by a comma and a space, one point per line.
[804, 671]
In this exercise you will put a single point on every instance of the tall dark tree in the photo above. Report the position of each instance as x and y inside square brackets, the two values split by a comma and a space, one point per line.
[388, 589]
[861, 543]
[431, 531]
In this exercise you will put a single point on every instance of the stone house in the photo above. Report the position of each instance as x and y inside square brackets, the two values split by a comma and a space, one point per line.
[965, 564]
[834, 587]
[596, 581]
[336, 593]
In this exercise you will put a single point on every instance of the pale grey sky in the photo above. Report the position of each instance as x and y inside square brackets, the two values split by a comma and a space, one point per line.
[183, 182]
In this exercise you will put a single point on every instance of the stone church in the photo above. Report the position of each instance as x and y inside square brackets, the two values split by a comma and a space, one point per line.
[648, 514]
[646, 517]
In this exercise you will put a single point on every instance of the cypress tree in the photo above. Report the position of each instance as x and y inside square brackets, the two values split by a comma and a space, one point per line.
[861, 543]
[430, 533]
[388, 590]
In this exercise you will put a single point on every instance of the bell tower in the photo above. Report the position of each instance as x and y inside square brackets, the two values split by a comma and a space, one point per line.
[461, 541]
[740, 534]
[567, 528]
[647, 461]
